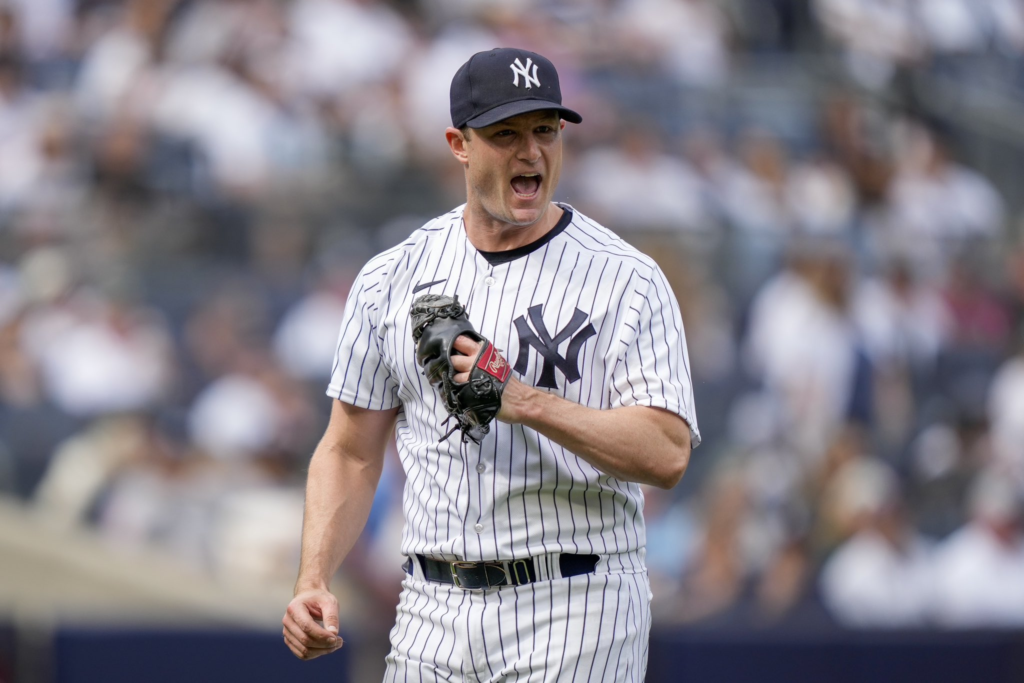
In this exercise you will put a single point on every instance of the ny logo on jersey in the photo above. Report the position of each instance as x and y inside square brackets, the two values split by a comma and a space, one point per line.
[547, 346]
[519, 70]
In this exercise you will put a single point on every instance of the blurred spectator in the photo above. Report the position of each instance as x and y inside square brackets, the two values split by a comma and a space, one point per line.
[672, 534]
[965, 26]
[18, 136]
[1005, 20]
[38, 170]
[84, 467]
[801, 344]
[705, 307]
[714, 579]
[704, 151]
[820, 197]
[857, 134]
[234, 418]
[253, 410]
[981, 321]
[378, 140]
[19, 380]
[953, 25]
[234, 116]
[305, 340]
[45, 26]
[222, 328]
[879, 577]
[116, 64]
[207, 31]
[837, 487]
[785, 595]
[943, 464]
[98, 354]
[1006, 414]
[935, 199]
[166, 497]
[255, 534]
[754, 192]
[636, 186]
[903, 321]
[878, 35]
[338, 46]
[688, 39]
[905, 326]
[979, 570]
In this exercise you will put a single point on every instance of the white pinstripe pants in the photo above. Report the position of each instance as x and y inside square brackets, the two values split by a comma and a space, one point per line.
[587, 628]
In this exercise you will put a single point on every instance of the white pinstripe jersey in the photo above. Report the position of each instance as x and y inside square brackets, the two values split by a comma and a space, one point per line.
[579, 313]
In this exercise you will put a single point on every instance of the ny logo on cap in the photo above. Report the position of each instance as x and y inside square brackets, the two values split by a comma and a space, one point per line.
[519, 70]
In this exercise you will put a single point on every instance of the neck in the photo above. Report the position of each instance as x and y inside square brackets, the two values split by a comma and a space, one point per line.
[487, 233]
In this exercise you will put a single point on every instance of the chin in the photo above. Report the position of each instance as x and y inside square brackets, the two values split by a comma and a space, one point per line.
[529, 214]
[526, 216]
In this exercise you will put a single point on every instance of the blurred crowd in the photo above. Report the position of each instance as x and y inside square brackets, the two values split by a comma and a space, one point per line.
[187, 188]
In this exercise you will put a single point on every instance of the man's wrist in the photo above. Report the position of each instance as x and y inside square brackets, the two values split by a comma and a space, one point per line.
[522, 404]
[304, 585]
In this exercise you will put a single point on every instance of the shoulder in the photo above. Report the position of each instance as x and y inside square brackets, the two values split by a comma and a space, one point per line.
[591, 237]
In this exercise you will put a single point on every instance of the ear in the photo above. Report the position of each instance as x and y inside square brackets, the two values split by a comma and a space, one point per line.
[561, 124]
[457, 144]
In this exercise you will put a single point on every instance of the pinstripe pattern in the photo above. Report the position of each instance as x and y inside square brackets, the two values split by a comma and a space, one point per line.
[517, 494]
[589, 628]
[532, 497]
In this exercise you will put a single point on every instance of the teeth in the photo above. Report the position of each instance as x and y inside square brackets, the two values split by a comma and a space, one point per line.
[529, 175]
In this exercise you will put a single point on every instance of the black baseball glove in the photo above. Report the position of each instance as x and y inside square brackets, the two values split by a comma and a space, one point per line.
[437, 321]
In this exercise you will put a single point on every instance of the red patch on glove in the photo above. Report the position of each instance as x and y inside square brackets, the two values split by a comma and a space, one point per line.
[494, 365]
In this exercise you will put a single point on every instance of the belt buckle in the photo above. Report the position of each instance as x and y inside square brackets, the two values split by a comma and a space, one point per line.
[503, 566]
[510, 568]
[454, 566]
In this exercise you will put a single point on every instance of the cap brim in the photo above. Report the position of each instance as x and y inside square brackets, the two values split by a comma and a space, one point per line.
[510, 109]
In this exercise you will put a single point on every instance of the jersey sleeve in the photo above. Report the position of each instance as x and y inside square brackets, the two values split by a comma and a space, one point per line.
[361, 374]
[653, 368]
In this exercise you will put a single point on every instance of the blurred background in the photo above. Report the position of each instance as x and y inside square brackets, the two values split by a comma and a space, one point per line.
[188, 187]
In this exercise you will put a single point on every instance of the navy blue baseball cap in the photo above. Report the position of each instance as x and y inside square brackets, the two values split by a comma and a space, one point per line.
[504, 82]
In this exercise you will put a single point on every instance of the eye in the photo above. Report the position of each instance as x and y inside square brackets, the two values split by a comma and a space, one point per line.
[504, 133]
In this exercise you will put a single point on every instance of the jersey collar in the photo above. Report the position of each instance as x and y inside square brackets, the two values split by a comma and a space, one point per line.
[498, 257]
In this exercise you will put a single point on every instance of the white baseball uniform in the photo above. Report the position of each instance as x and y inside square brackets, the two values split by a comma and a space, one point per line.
[579, 313]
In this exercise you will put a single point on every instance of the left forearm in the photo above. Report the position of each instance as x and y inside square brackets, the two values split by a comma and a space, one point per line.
[635, 443]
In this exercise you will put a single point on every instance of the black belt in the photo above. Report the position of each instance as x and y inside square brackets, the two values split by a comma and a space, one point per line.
[482, 575]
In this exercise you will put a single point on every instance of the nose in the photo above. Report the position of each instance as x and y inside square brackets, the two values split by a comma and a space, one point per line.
[529, 149]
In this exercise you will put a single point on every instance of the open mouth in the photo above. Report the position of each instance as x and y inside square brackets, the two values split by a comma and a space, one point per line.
[527, 185]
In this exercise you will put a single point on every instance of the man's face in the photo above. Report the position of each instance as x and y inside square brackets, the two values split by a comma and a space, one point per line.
[513, 166]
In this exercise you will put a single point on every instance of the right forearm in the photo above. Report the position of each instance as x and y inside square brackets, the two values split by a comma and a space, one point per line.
[343, 476]
[339, 494]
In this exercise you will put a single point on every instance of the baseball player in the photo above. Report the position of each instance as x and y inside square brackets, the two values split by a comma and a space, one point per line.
[524, 535]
